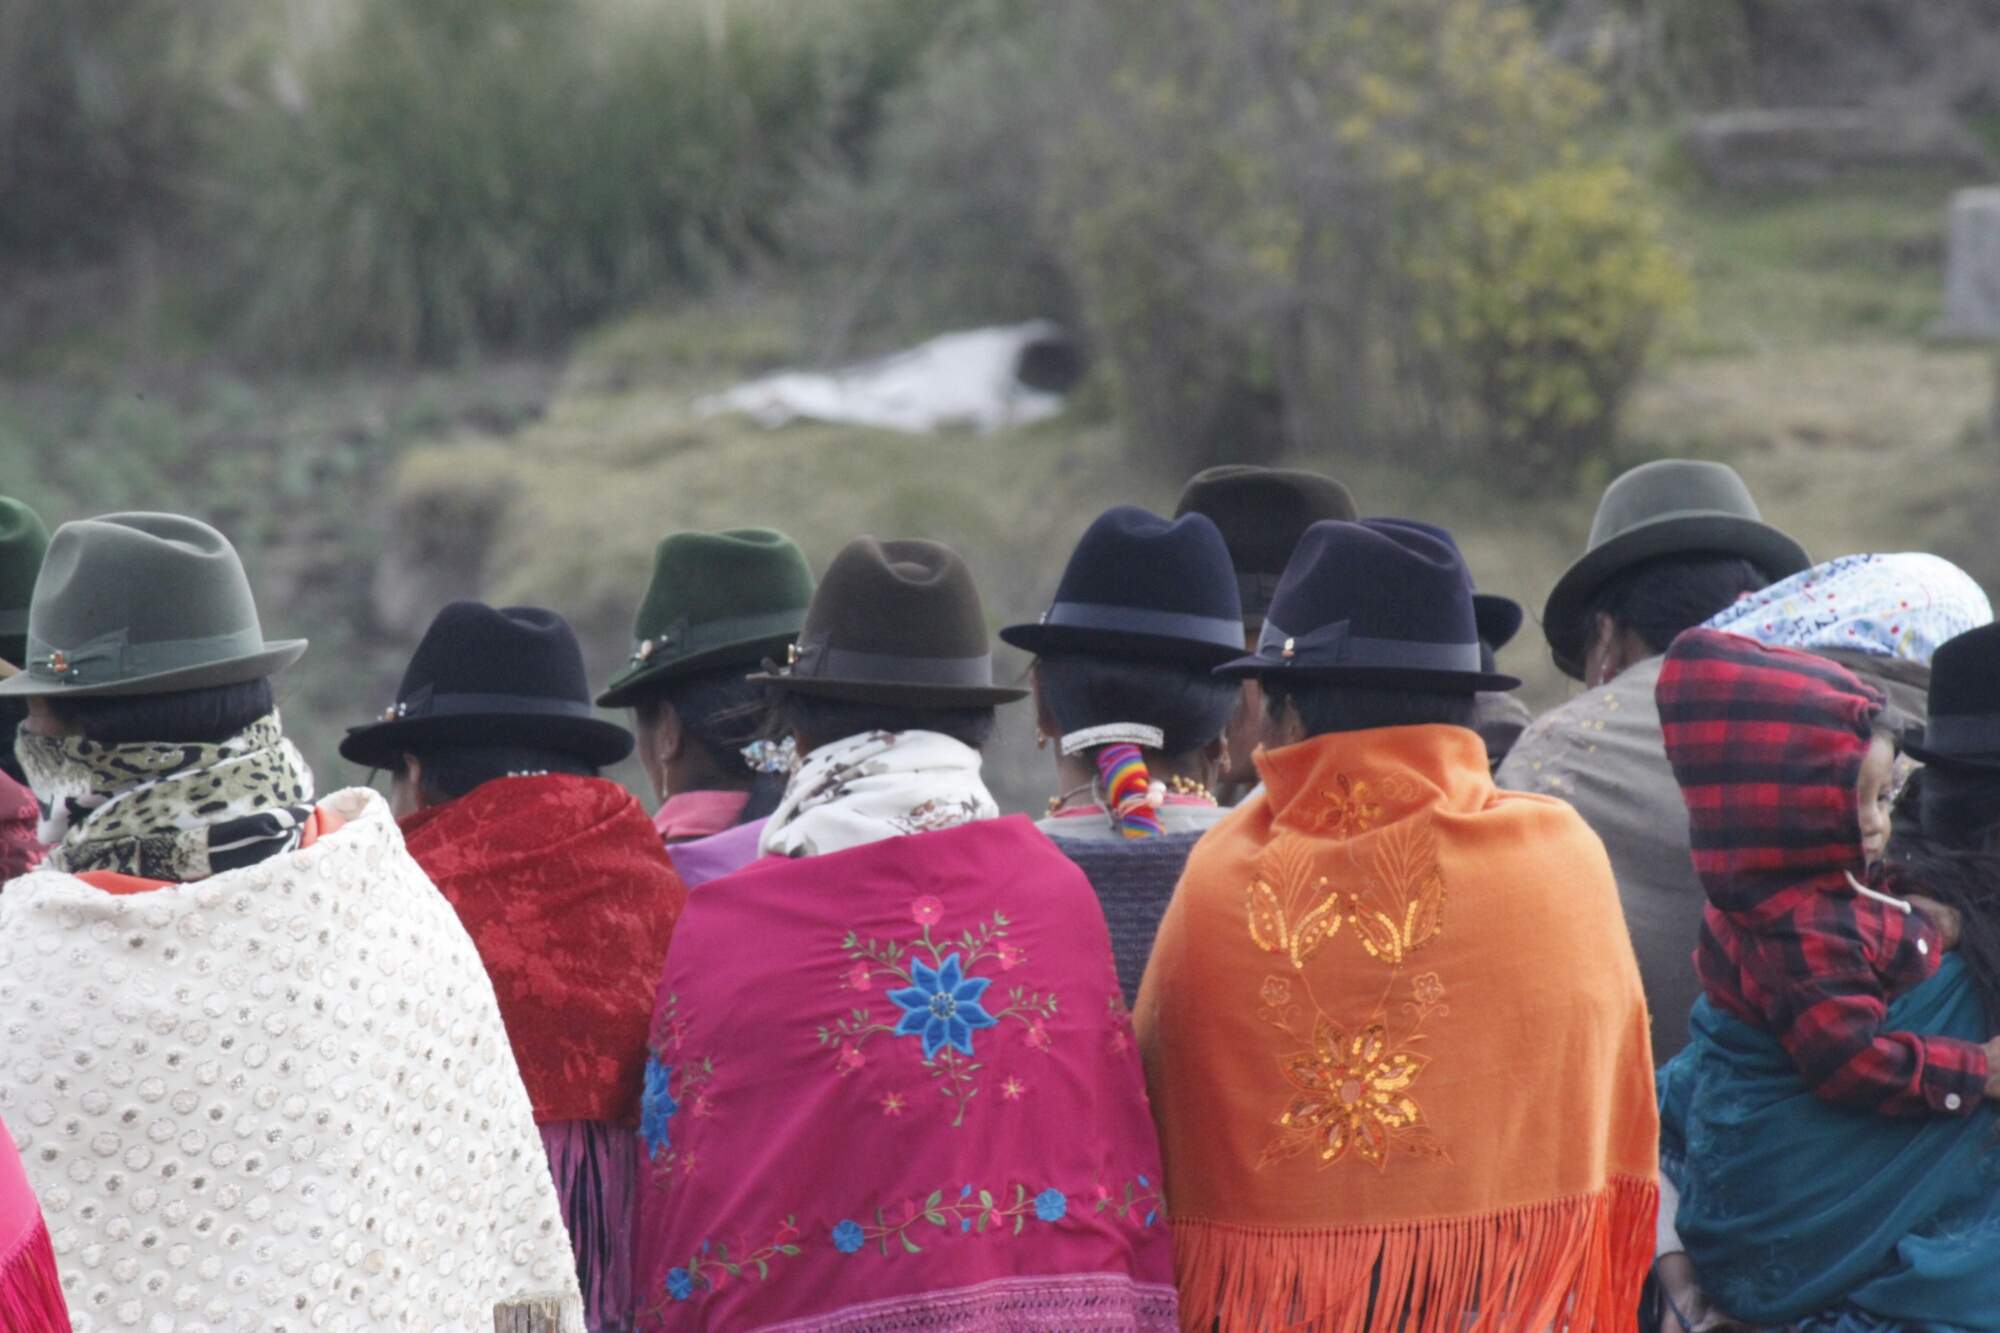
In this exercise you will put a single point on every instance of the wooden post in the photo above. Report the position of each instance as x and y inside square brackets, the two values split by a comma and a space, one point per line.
[535, 1316]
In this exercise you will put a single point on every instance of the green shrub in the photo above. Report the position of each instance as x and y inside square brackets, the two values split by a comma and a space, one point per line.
[467, 173]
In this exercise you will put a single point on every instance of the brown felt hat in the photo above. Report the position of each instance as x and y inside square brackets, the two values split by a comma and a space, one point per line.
[1263, 512]
[895, 622]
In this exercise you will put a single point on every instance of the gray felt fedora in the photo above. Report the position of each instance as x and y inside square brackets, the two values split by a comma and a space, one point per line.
[1676, 506]
[143, 604]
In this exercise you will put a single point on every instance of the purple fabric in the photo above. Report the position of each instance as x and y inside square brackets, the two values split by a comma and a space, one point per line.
[594, 1164]
[712, 857]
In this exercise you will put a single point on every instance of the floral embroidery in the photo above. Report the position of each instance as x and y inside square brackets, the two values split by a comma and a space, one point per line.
[1012, 1089]
[1139, 1196]
[971, 1214]
[1350, 1088]
[942, 1006]
[938, 999]
[893, 1104]
[713, 1265]
[656, 1108]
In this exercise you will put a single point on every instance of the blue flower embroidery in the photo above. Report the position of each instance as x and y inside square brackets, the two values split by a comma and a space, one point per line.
[847, 1237]
[942, 1007]
[680, 1285]
[1050, 1205]
[656, 1108]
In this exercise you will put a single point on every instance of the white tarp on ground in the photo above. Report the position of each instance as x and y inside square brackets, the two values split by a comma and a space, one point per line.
[970, 380]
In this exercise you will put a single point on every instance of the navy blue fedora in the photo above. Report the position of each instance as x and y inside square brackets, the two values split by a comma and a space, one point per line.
[1143, 586]
[1499, 618]
[511, 675]
[1964, 727]
[1381, 602]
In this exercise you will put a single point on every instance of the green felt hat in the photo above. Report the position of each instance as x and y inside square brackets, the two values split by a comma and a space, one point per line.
[717, 599]
[23, 542]
[143, 604]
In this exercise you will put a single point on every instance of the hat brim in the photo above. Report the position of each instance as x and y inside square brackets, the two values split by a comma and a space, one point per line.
[1773, 552]
[1381, 678]
[1937, 759]
[383, 744]
[634, 683]
[1050, 640]
[1499, 619]
[274, 658]
[899, 693]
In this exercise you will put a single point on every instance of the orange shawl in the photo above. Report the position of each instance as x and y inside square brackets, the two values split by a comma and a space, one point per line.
[1397, 1050]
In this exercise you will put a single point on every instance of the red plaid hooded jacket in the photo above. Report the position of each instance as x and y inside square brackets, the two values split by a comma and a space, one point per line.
[1767, 744]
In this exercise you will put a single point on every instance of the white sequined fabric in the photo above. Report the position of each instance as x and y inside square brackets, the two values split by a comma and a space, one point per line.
[278, 1099]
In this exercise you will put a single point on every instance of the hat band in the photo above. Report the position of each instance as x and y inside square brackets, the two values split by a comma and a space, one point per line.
[819, 660]
[684, 639]
[1337, 645]
[423, 703]
[1965, 733]
[113, 657]
[1223, 633]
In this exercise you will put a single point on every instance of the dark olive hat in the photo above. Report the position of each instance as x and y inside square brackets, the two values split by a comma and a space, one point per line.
[1964, 726]
[23, 542]
[1676, 506]
[143, 604]
[717, 599]
[1141, 585]
[895, 622]
[1262, 512]
[485, 676]
[1381, 603]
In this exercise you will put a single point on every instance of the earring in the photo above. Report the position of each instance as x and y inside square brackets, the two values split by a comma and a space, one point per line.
[1041, 739]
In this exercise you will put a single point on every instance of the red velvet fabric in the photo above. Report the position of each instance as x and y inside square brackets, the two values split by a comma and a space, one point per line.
[564, 887]
[19, 852]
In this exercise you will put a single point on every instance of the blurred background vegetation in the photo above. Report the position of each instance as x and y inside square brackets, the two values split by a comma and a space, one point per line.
[413, 297]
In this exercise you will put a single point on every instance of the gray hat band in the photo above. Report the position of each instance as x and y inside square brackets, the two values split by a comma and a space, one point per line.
[816, 659]
[1965, 733]
[683, 639]
[1138, 620]
[112, 657]
[1333, 645]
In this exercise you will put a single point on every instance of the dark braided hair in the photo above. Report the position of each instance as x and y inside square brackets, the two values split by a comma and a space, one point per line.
[724, 712]
[1949, 856]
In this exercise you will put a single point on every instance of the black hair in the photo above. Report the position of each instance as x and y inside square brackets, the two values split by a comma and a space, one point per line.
[723, 712]
[1189, 703]
[452, 771]
[820, 721]
[184, 717]
[1945, 855]
[1324, 708]
[1659, 598]
[13, 712]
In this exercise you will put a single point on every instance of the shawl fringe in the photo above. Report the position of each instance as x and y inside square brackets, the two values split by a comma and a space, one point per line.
[1575, 1263]
[30, 1294]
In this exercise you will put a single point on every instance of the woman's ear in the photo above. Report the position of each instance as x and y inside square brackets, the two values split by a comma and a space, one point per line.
[1045, 723]
[1283, 725]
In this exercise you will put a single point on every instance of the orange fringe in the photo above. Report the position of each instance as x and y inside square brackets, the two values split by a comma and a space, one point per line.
[1568, 1264]
[31, 1299]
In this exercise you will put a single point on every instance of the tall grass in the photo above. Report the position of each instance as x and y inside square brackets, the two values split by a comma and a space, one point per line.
[467, 173]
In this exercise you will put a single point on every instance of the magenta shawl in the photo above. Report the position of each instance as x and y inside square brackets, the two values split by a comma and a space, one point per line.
[30, 1298]
[896, 1086]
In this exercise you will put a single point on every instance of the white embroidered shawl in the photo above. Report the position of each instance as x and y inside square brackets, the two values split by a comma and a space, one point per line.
[280, 1099]
[876, 785]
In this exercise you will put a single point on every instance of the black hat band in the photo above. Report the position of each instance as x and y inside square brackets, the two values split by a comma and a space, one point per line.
[1138, 620]
[423, 703]
[685, 638]
[816, 658]
[1965, 733]
[1336, 645]
[123, 658]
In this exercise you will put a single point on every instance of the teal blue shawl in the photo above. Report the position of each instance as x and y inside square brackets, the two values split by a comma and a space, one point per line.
[1794, 1211]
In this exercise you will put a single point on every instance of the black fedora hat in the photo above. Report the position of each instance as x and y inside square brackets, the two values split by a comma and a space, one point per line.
[1262, 512]
[1675, 506]
[511, 675]
[1380, 602]
[1499, 618]
[894, 622]
[1141, 585]
[1964, 726]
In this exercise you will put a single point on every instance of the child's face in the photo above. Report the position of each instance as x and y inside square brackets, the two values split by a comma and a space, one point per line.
[1875, 791]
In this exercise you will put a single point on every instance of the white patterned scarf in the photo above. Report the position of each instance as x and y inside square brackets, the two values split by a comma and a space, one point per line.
[879, 784]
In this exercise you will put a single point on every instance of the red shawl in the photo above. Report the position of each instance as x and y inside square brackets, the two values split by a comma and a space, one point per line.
[564, 887]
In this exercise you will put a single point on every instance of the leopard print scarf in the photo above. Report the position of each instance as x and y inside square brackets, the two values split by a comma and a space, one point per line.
[167, 811]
